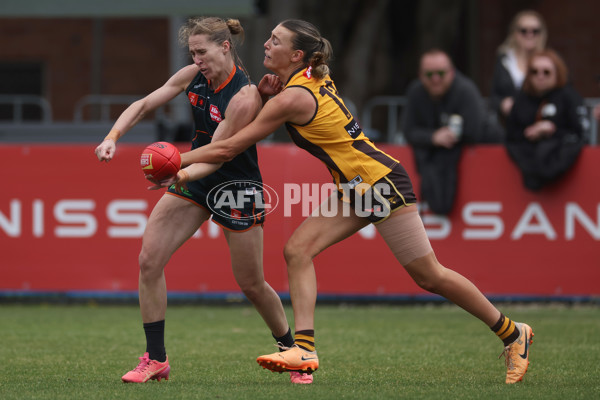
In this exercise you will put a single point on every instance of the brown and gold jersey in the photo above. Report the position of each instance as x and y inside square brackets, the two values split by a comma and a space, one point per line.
[335, 137]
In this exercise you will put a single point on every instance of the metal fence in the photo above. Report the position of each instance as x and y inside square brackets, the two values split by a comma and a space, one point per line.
[380, 117]
[388, 109]
[17, 103]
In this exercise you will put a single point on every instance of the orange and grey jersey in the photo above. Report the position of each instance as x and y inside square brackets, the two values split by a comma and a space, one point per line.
[335, 137]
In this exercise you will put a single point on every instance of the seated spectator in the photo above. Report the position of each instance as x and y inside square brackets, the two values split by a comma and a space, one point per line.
[444, 110]
[544, 134]
[526, 34]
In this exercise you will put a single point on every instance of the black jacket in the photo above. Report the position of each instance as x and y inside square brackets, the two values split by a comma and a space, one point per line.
[543, 161]
[422, 116]
[502, 85]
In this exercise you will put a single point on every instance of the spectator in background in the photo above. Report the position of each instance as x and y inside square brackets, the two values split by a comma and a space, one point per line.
[527, 33]
[444, 110]
[544, 131]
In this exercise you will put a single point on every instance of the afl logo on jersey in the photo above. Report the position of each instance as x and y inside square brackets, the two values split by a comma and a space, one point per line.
[215, 114]
[196, 100]
[308, 73]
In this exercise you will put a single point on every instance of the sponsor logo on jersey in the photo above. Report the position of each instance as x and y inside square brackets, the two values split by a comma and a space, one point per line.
[197, 100]
[357, 179]
[353, 129]
[215, 114]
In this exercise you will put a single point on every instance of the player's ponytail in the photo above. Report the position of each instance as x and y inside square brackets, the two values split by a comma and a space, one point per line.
[235, 28]
[319, 59]
[317, 50]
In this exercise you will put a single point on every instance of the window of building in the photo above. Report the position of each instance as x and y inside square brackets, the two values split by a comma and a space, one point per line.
[20, 78]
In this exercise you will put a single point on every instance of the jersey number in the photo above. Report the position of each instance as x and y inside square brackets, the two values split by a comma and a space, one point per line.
[353, 128]
[329, 90]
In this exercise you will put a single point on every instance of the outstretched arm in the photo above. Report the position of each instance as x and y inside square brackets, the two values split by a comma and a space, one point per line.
[140, 108]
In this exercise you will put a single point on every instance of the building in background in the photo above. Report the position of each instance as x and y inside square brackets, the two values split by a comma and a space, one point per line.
[67, 53]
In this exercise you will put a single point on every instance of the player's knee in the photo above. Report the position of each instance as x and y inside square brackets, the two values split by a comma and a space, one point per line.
[300, 249]
[251, 290]
[150, 266]
[427, 283]
[294, 252]
[430, 279]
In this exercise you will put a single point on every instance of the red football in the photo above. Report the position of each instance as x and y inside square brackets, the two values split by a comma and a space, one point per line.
[160, 161]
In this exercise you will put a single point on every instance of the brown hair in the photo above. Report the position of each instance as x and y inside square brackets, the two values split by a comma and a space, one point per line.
[513, 27]
[218, 31]
[562, 73]
[317, 50]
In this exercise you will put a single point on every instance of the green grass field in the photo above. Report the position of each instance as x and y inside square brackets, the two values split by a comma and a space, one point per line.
[366, 352]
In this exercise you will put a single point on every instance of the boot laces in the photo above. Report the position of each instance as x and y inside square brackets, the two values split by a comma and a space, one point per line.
[144, 363]
[507, 358]
[284, 348]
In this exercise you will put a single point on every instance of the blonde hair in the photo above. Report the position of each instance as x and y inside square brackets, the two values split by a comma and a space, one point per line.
[317, 50]
[218, 31]
[510, 41]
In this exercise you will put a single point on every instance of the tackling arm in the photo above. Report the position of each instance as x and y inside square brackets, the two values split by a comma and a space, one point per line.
[295, 105]
[241, 110]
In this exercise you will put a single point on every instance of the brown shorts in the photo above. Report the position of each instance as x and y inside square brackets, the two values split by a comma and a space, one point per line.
[377, 202]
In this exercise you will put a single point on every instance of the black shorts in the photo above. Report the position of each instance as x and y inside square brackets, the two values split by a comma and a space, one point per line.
[234, 205]
[377, 202]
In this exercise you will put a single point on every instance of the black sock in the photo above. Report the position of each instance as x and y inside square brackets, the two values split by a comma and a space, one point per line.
[287, 340]
[155, 340]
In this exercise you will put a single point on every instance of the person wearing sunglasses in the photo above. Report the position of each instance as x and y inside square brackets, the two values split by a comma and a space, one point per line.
[544, 134]
[444, 110]
[527, 33]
